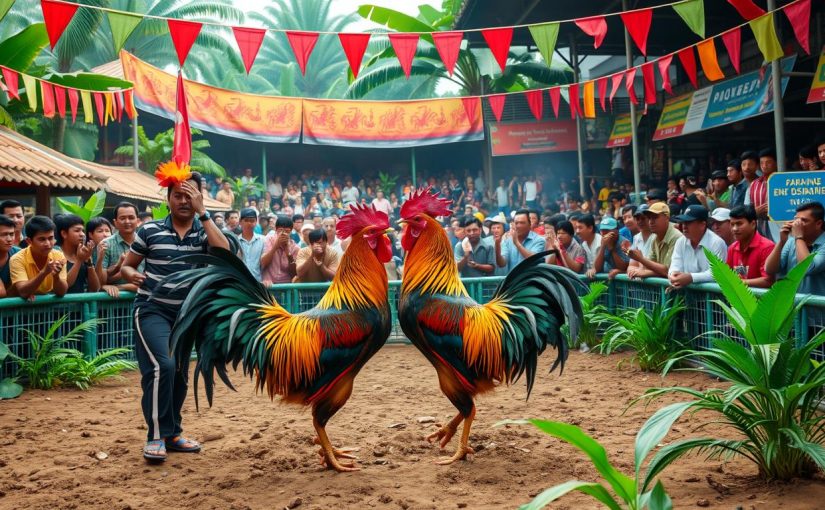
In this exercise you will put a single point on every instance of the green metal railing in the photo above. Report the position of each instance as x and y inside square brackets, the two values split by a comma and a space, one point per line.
[701, 316]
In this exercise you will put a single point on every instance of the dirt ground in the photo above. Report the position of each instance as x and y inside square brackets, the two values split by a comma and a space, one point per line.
[259, 454]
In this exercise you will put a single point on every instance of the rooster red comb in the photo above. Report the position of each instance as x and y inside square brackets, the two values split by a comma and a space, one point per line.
[423, 200]
[361, 217]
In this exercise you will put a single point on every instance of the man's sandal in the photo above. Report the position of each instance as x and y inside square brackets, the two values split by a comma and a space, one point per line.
[181, 444]
[155, 450]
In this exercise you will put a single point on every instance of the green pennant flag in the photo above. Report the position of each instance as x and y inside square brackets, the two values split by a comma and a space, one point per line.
[122, 26]
[5, 5]
[545, 36]
[693, 14]
[30, 82]
[764, 31]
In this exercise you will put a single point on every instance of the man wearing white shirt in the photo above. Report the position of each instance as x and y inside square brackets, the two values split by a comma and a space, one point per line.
[689, 264]
[350, 194]
[382, 204]
[531, 192]
[502, 197]
[590, 239]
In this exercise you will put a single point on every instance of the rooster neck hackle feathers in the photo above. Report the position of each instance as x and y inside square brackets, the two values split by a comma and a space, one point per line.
[424, 201]
[349, 288]
[430, 266]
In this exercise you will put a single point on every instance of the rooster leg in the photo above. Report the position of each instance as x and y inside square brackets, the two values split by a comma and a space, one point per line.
[341, 453]
[330, 458]
[446, 433]
[463, 446]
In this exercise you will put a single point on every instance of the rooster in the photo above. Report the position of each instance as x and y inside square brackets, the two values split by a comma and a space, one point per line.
[310, 358]
[474, 347]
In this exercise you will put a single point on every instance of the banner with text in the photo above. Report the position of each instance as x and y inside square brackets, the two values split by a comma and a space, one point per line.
[518, 138]
[789, 190]
[621, 135]
[817, 94]
[723, 103]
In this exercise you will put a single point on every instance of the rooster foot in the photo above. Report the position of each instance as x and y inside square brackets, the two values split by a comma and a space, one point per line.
[442, 435]
[333, 463]
[461, 454]
[340, 453]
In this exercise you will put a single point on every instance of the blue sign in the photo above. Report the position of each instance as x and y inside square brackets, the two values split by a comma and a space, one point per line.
[789, 190]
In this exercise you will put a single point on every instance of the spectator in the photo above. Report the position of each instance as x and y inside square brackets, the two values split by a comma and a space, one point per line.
[71, 240]
[610, 254]
[642, 241]
[749, 252]
[233, 222]
[720, 224]
[721, 189]
[618, 201]
[820, 151]
[590, 240]
[39, 268]
[520, 245]
[218, 218]
[225, 194]
[570, 253]
[749, 162]
[807, 158]
[115, 248]
[535, 223]
[501, 198]
[455, 232]
[305, 230]
[13, 210]
[252, 243]
[297, 224]
[316, 262]
[806, 230]
[99, 229]
[333, 243]
[693, 194]
[631, 225]
[474, 258]
[382, 204]
[247, 178]
[738, 184]
[7, 249]
[278, 260]
[664, 237]
[143, 217]
[498, 225]
[689, 263]
[514, 191]
[350, 194]
[276, 190]
[759, 194]
[604, 192]
[655, 195]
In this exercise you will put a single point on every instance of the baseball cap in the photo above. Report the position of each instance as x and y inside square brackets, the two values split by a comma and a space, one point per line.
[248, 212]
[658, 208]
[641, 210]
[307, 226]
[720, 214]
[498, 218]
[608, 223]
[692, 213]
[479, 216]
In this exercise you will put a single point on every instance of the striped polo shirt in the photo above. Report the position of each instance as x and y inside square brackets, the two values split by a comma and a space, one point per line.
[159, 245]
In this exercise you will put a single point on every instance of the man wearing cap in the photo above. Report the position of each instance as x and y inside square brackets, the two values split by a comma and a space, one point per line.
[720, 224]
[738, 184]
[759, 194]
[473, 257]
[664, 237]
[610, 256]
[252, 243]
[749, 252]
[642, 241]
[498, 226]
[689, 264]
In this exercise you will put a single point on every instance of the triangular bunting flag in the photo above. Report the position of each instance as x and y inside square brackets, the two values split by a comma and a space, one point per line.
[535, 100]
[545, 37]
[47, 94]
[109, 110]
[10, 77]
[5, 5]
[183, 35]
[302, 44]
[555, 100]
[638, 26]
[747, 9]
[616, 80]
[73, 97]
[799, 14]
[595, 27]
[88, 111]
[601, 84]
[404, 46]
[118, 106]
[60, 100]
[471, 108]
[129, 104]
[57, 16]
[709, 61]
[693, 14]
[497, 105]
[688, 60]
[664, 72]
[122, 26]
[629, 85]
[99, 108]
[30, 83]
[589, 99]
[354, 46]
[649, 79]
[249, 43]
[498, 39]
[448, 45]
[733, 43]
[764, 31]
[573, 99]
[182, 143]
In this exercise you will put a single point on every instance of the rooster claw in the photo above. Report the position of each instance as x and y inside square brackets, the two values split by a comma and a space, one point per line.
[461, 454]
[341, 467]
[342, 453]
[443, 435]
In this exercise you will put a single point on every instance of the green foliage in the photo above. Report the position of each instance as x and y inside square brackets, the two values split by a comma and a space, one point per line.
[8, 385]
[93, 207]
[621, 491]
[776, 389]
[386, 183]
[651, 335]
[245, 190]
[20, 50]
[589, 329]
[160, 211]
[76, 370]
[153, 151]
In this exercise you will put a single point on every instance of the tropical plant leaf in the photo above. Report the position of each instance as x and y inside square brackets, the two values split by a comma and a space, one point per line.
[736, 292]
[393, 19]
[9, 388]
[593, 489]
[19, 51]
[776, 305]
[659, 499]
[654, 430]
[80, 141]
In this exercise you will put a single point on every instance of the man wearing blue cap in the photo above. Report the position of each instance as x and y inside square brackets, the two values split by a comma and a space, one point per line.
[689, 264]
[610, 256]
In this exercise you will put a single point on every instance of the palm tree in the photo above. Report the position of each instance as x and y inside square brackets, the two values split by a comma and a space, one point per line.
[153, 151]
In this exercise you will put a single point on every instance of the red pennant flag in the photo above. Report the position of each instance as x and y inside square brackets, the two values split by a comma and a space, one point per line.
[57, 16]
[629, 78]
[498, 39]
[47, 93]
[182, 144]
[302, 44]
[535, 99]
[747, 9]
[638, 26]
[98, 96]
[497, 105]
[128, 104]
[404, 46]
[733, 43]
[664, 72]
[354, 47]
[10, 77]
[573, 97]
[650, 82]
[688, 60]
[799, 14]
[183, 35]
[118, 106]
[595, 26]
[73, 98]
[60, 100]
[616, 81]
[249, 43]
[471, 105]
[601, 85]
[555, 100]
[448, 44]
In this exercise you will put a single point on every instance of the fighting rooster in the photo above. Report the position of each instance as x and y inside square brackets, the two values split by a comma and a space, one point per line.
[473, 347]
[310, 358]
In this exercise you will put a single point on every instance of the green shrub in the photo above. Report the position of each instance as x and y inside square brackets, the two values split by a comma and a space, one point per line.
[589, 328]
[8, 385]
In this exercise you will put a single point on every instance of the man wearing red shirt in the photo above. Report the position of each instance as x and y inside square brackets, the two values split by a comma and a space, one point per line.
[749, 251]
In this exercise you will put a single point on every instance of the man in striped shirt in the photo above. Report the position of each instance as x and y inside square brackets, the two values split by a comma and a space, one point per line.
[759, 195]
[187, 230]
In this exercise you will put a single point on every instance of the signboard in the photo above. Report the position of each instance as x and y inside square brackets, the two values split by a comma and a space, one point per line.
[817, 94]
[723, 103]
[789, 190]
[621, 134]
[517, 138]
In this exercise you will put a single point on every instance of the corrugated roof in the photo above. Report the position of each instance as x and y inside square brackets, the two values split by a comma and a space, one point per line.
[113, 69]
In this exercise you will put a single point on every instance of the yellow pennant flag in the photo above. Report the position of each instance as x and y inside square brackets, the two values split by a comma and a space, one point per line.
[86, 99]
[710, 64]
[110, 110]
[589, 99]
[764, 30]
[30, 82]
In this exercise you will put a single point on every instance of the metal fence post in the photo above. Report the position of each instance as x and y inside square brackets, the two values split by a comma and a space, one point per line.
[90, 336]
[611, 296]
[801, 326]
